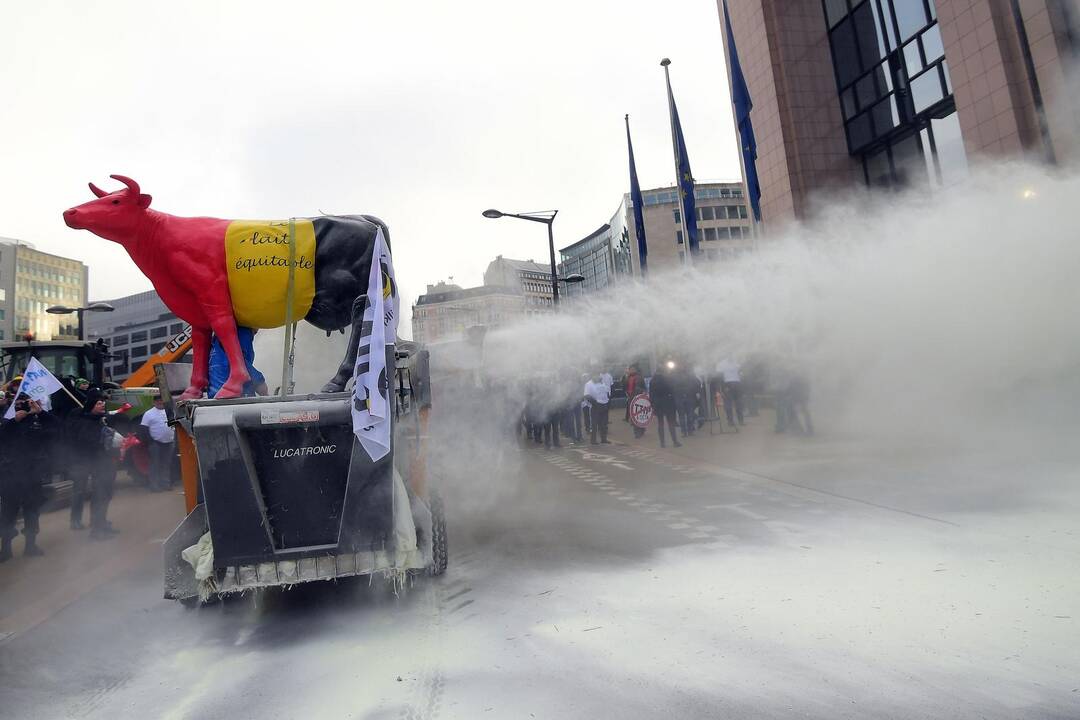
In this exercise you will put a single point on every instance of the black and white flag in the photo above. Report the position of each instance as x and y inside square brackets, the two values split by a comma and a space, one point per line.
[371, 404]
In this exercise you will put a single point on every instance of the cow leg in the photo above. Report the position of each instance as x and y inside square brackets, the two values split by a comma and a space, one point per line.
[224, 326]
[200, 351]
[338, 382]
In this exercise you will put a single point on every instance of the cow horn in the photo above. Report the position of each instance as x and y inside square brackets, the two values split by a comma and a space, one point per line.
[131, 184]
[97, 191]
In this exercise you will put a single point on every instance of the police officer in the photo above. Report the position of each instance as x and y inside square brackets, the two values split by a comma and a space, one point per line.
[25, 447]
[662, 392]
[93, 455]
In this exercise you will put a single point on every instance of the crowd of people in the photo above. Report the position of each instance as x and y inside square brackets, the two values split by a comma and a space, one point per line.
[77, 442]
[570, 406]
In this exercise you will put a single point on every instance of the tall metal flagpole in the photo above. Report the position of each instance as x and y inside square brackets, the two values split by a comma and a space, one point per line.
[742, 169]
[675, 150]
[754, 231]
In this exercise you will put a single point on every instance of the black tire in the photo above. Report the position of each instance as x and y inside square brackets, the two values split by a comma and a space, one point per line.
[439, 551]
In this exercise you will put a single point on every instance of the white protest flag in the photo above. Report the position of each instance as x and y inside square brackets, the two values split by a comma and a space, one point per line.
[371, 391]
[38, 383]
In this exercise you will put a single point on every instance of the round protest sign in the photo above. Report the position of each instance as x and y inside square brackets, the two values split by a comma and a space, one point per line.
[641, 410]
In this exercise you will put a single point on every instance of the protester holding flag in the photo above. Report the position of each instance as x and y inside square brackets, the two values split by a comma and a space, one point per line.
[24, 447]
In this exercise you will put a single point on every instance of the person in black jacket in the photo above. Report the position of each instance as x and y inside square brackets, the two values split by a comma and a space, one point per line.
[93, 455]
[25, 449]
[662, 393]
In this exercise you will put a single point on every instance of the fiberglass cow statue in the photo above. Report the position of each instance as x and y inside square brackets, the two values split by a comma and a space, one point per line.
[217, 274]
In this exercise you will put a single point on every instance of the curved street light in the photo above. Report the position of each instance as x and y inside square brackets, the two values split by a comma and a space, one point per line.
[547, 217]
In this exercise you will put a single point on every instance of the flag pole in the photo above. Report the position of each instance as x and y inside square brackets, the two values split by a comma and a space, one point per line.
[754, 230]
[675, 150]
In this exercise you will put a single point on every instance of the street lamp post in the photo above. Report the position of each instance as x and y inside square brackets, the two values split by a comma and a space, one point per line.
[547, 217]
[92, 307]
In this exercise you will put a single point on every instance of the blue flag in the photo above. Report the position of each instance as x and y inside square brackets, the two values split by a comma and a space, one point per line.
[740, 98]
[682, 168]
[636, 201]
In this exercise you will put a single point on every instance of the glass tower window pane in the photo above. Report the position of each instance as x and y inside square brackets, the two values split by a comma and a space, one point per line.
[912, 57]
[950, 148]
[932, 45]
[910, 16]
[847, 101]
[859, 131]
[847, 57]
[835, 10]
[866, 91]
[871, 44]
[926, 90]
[884, 117]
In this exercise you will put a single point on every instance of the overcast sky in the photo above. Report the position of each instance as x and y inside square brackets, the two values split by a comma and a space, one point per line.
[423, 113]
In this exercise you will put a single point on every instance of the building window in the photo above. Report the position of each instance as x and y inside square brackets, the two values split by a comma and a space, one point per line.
[678, 217]
[159, 331]
[176, 328]
[710, 233]
[119, 340]
[138, 336]
[138, 352]
[742, 212]
[678, 236]
[892, 80]
[154, 347]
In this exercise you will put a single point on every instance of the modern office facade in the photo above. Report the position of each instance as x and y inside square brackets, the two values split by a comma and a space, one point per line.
[446, 312]
[724, 226]
[898, 93]
[138, 327]
[32, 281]
[602, 258]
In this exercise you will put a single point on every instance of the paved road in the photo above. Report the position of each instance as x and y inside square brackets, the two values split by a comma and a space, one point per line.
[743, 575]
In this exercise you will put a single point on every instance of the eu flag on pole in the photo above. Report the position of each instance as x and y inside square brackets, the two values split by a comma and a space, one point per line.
[636, 201]
[740, 98]
[682, 168]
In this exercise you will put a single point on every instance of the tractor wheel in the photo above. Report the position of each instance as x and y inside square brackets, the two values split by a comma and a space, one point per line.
[439, 552]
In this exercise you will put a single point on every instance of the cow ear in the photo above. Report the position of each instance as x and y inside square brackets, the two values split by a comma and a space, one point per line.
[144, 200]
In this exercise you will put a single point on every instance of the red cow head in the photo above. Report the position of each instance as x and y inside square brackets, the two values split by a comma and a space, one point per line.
[114, 216]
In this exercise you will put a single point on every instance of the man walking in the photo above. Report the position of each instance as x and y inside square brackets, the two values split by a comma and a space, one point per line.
[731, 383]
[662, 394]
[162, 437]
[598, 395]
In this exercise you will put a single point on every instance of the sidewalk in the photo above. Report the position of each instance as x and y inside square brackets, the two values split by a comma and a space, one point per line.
[34, 589]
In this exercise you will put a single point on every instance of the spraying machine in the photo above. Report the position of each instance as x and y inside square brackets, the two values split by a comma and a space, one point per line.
[281, 492]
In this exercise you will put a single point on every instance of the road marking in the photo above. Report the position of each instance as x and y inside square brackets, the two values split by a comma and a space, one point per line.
[688, 526]
[739, 509]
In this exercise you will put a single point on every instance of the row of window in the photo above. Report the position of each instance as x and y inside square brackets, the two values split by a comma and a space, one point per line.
[141, 335]
[710, 234]
[46, 290]
[715, 212]
[672, 196]
[46, 272]
[718, 254]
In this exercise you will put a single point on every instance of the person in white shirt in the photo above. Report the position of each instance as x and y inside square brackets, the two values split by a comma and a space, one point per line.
[608, 380]
[597, 394]
[162, 436]
[731, 386]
